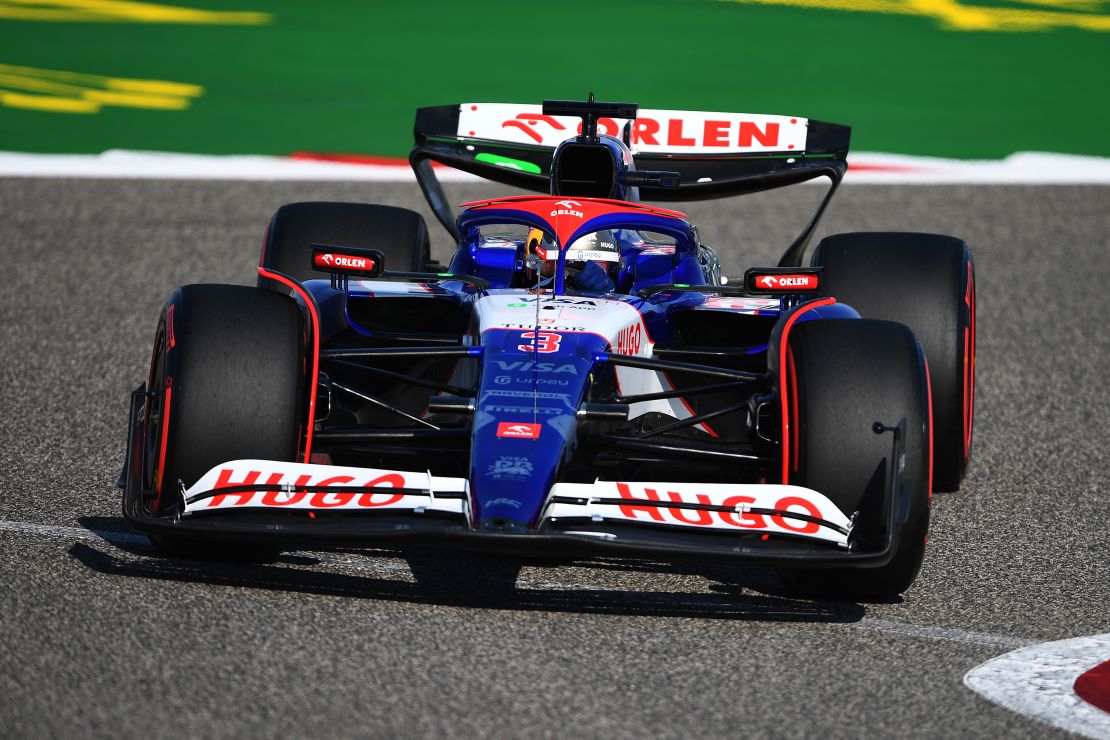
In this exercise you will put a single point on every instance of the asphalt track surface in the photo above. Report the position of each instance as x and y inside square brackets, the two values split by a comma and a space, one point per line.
[101, 638]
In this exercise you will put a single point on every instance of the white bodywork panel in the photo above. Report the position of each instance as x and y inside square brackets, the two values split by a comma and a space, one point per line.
[740, 497]
[617, 322]
[653, 131]
[294, 475]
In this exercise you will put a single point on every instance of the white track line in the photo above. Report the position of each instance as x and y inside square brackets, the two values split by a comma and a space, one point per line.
[868, 167]
[1038, 681]
[384, 566]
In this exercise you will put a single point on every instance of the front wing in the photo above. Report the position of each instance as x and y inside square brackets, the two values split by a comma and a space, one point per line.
[304, 505]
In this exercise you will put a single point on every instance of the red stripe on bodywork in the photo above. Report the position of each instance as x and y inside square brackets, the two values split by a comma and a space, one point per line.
[783, 386]
[1093, 686]
[315, 373]
[687, 406]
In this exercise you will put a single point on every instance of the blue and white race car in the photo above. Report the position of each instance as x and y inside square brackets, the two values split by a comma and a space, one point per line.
[580, 380]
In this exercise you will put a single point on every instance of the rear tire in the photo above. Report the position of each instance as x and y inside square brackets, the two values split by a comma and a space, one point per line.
[400, 234]
[927, 282]
[227, 382]
[849, 374]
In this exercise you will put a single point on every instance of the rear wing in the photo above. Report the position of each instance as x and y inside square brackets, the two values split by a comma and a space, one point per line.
[715, 154]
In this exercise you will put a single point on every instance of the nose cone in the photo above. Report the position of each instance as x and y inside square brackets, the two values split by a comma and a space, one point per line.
[525, 426]
[514, 461]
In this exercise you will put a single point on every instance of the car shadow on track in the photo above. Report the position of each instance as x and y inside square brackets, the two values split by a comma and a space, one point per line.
[478, 581]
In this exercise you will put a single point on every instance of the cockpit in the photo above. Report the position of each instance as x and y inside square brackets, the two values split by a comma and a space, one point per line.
[618, 260]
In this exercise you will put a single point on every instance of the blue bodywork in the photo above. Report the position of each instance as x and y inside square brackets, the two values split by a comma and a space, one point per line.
[523, 382]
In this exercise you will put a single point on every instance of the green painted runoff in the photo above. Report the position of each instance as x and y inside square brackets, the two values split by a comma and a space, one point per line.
[933, 77]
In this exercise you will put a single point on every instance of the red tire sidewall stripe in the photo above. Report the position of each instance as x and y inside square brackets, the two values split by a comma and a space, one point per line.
[784, 385]
[158, 355]
[159, 340]
[163, 444]
[315, 372]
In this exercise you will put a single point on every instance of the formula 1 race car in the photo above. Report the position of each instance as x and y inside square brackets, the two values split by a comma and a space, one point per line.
[580, 380]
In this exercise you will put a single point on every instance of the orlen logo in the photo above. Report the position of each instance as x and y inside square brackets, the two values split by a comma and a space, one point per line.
[527, 123]
[689, 131]
[787, 282]
[568, 209]
[343, 261]
[652, 130]
[684, 130]
[518, 430]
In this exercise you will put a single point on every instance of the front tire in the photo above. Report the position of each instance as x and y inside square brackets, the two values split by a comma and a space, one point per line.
[227, 382]
[845, 375]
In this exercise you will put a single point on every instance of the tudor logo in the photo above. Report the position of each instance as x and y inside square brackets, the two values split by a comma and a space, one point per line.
[548, 325]
[518, 430]
[569, 208]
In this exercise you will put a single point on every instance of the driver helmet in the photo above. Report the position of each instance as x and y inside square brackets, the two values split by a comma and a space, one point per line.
[599, 247]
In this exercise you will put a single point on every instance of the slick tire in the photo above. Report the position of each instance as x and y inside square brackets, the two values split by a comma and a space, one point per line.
[843, 376]
[400, 234]
[927, 282]
[227, 382]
